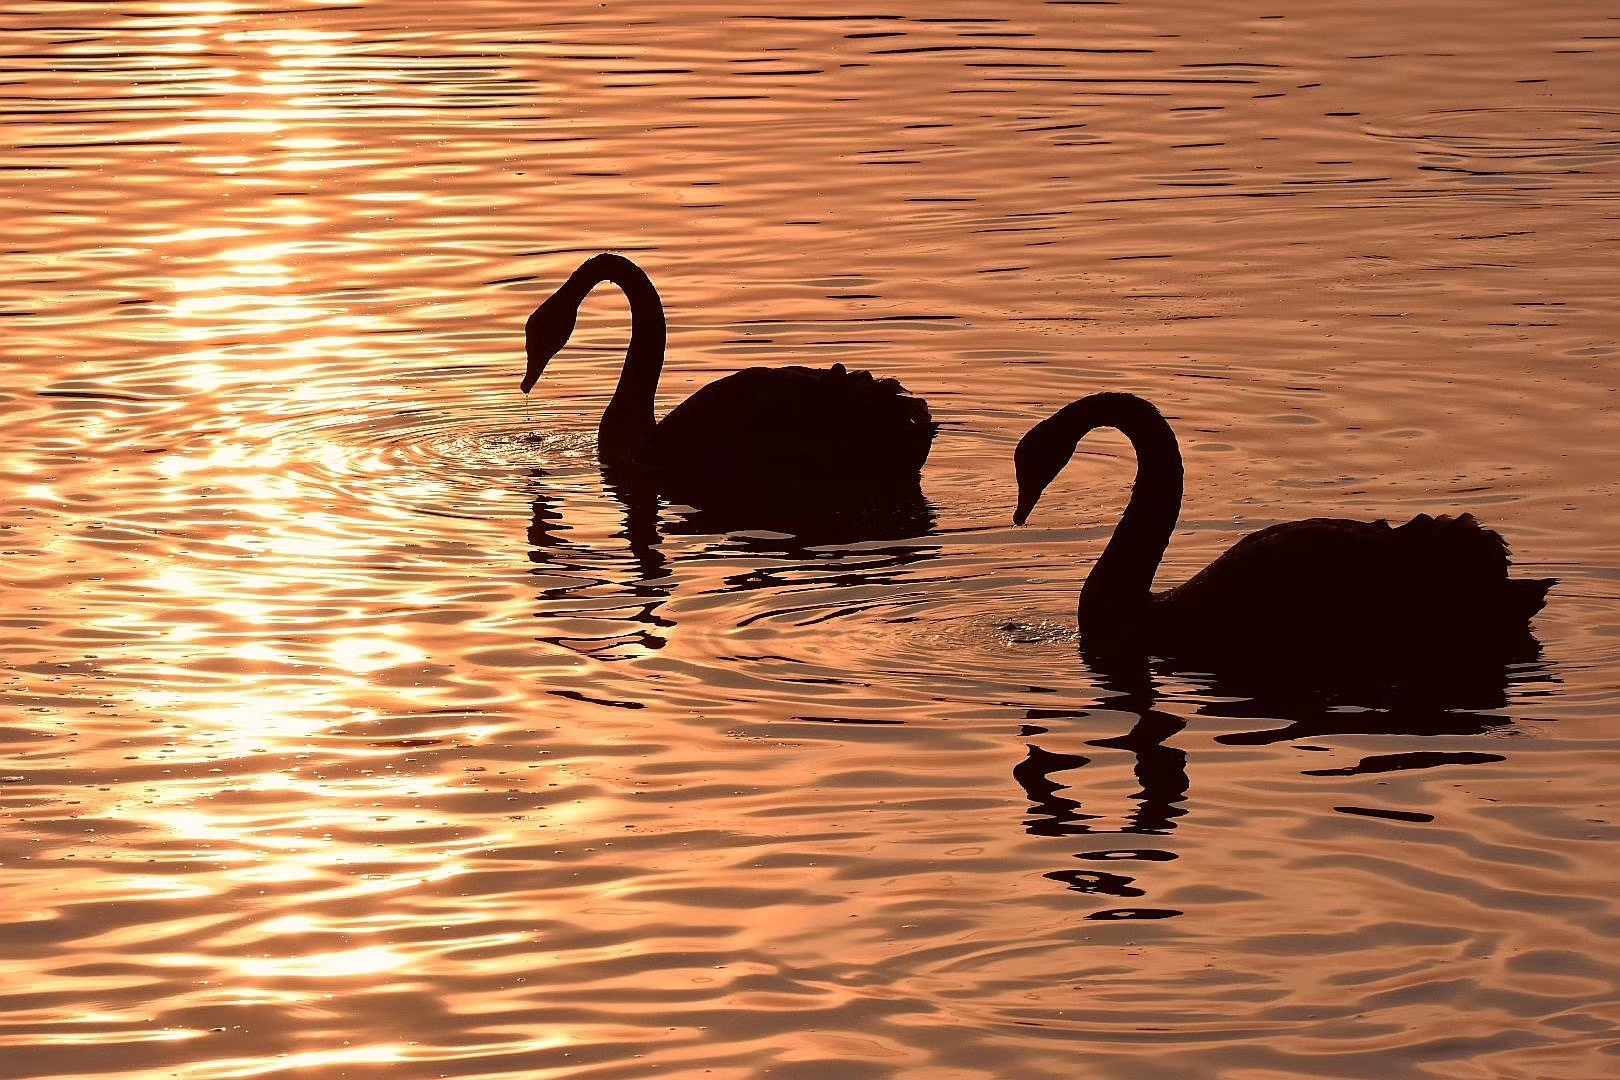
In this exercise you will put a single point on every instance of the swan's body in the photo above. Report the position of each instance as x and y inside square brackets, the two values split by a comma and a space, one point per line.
[761, 435]
[1320, 592]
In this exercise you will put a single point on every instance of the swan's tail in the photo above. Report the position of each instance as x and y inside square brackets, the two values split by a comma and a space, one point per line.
[1465, 566]
[1529, 594]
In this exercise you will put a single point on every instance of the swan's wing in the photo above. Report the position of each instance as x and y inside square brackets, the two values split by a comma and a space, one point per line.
[1314, 553]
[1457, 547]
[814, 428]
[1439, 575]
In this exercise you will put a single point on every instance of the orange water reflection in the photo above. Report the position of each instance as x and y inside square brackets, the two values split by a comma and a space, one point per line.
[351, 722]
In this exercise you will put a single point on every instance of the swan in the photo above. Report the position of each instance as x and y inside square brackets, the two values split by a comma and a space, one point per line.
[787, 435]
[1322, 592]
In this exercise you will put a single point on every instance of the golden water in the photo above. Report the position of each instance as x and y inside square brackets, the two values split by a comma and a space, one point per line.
[349, 727]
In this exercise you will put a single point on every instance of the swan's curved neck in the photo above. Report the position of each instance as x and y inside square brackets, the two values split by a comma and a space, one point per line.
[628, 422]
[1117, 592]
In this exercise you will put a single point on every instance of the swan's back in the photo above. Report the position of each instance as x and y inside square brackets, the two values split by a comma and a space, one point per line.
[789, 433]
[1362, 588]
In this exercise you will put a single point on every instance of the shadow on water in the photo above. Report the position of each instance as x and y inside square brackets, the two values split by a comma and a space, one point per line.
[1435, 694]
[1161, 774]
[895, 513]
[583, 584]
[1293, 709]
[855, 543]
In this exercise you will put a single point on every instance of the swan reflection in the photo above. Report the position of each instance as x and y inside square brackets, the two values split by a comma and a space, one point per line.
[600, 603]
[1423, 696]
[1052, 780]
[611, 602]
[900, 512]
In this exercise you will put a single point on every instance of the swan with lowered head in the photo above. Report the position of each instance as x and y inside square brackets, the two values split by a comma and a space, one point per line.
[1321, 592]
[760, 435]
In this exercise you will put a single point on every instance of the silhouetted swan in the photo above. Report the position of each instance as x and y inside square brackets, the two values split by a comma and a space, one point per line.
[1323, 592]
[788, 435]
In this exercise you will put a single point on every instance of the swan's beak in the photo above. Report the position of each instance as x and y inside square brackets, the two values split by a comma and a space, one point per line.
[538, 359]
[544, 335]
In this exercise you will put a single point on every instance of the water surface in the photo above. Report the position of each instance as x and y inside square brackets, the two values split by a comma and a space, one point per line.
[351, 724]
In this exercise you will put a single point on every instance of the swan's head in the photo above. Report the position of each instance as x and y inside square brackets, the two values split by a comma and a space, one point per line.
[548, 330]
[1041, 455]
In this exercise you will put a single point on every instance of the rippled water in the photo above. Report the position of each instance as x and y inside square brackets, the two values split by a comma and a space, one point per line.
[351, 725]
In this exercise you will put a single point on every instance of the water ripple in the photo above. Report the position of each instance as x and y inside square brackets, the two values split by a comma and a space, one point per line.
[351, 717]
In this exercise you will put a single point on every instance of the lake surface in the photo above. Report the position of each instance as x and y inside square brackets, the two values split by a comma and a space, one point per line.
[351, 725]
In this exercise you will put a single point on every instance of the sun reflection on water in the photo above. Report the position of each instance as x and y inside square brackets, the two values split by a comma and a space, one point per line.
[366, 960]
[357, 726]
